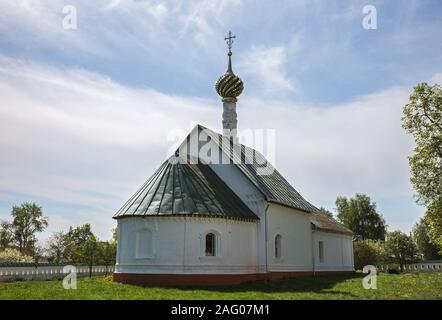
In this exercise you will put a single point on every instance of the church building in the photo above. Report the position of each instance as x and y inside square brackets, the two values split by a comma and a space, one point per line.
[217, 212]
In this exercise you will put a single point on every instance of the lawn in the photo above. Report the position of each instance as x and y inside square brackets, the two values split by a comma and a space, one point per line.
[390, 286]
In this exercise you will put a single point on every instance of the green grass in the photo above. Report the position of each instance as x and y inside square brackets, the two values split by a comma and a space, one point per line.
[404, 286]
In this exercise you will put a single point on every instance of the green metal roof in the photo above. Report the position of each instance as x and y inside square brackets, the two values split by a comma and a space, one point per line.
[185, 189]
[272, 184]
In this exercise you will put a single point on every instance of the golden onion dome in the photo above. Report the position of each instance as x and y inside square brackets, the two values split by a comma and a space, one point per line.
[229, 85]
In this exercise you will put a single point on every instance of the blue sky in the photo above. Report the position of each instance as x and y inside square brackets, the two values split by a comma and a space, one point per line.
[86, 113]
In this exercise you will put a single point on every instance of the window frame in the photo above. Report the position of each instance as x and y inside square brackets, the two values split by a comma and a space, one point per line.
[321, 251]
[278, 247]
[144, 233]
[213, 243]
[217, 244]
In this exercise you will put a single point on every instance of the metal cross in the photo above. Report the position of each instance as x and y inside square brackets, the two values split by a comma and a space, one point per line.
[229, 41]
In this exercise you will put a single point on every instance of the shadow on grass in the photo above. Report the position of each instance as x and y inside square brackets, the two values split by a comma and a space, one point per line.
[317, 285]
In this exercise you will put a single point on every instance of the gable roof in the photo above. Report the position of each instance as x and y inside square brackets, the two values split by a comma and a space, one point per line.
[324, 223]
[271, 184]
[178, 188]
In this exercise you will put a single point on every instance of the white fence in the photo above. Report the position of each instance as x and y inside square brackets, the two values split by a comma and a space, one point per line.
[419, 267]
[48, 272]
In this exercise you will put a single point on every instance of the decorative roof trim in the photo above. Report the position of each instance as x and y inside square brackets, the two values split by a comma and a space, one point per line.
[186, 215]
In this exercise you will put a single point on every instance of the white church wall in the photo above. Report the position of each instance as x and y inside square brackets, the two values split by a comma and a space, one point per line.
[295, 244]
[337, 251]
[242, 187]
[177, 245]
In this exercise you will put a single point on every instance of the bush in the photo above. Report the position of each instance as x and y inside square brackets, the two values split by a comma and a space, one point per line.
[13, 256]
[368, 252]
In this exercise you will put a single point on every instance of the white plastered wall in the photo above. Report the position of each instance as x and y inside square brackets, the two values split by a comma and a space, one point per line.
[294, 228]
[178, 243]
[338, 251]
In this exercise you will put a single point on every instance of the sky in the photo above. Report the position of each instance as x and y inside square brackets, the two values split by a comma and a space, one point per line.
[88, 114]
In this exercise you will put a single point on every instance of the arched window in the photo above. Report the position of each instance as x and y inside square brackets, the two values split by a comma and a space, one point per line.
[210, 244]
[278, 239]
[321, 251]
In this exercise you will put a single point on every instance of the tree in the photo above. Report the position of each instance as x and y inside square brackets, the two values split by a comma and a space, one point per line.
[89, 252]
[6, 235]
[115, 234]
[326, 212]
[422, 117]
[421, 239]
[359, 215]
[400, 248]
[369, 252]
[433, 218]
[75, 239]
[38, 252]
[57, 247]
[107, 252]
[27, 220]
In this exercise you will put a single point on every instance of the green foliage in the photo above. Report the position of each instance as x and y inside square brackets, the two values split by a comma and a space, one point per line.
[106, 253]
[75, 241]
[433, 218]
[80, 245]
[421, 238]
[89, 251]
[422, 117]
[81, 234]
[424, 286]
[400, 248]
[369, 252]
[27, 220]
[326, 212]
[10, 255]
[115, 234]
[6, 235]
[57, 247]
[359, 215]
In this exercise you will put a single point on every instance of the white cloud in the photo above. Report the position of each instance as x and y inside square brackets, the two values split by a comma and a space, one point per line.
[106, 28]
[437, 78]
[266, 64]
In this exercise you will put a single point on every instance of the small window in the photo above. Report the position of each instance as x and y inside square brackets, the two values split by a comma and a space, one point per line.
[278, 246]
[210, 244]
[321, 251]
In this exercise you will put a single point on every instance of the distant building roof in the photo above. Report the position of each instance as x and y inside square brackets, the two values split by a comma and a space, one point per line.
[324, 223]
[185, 189]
